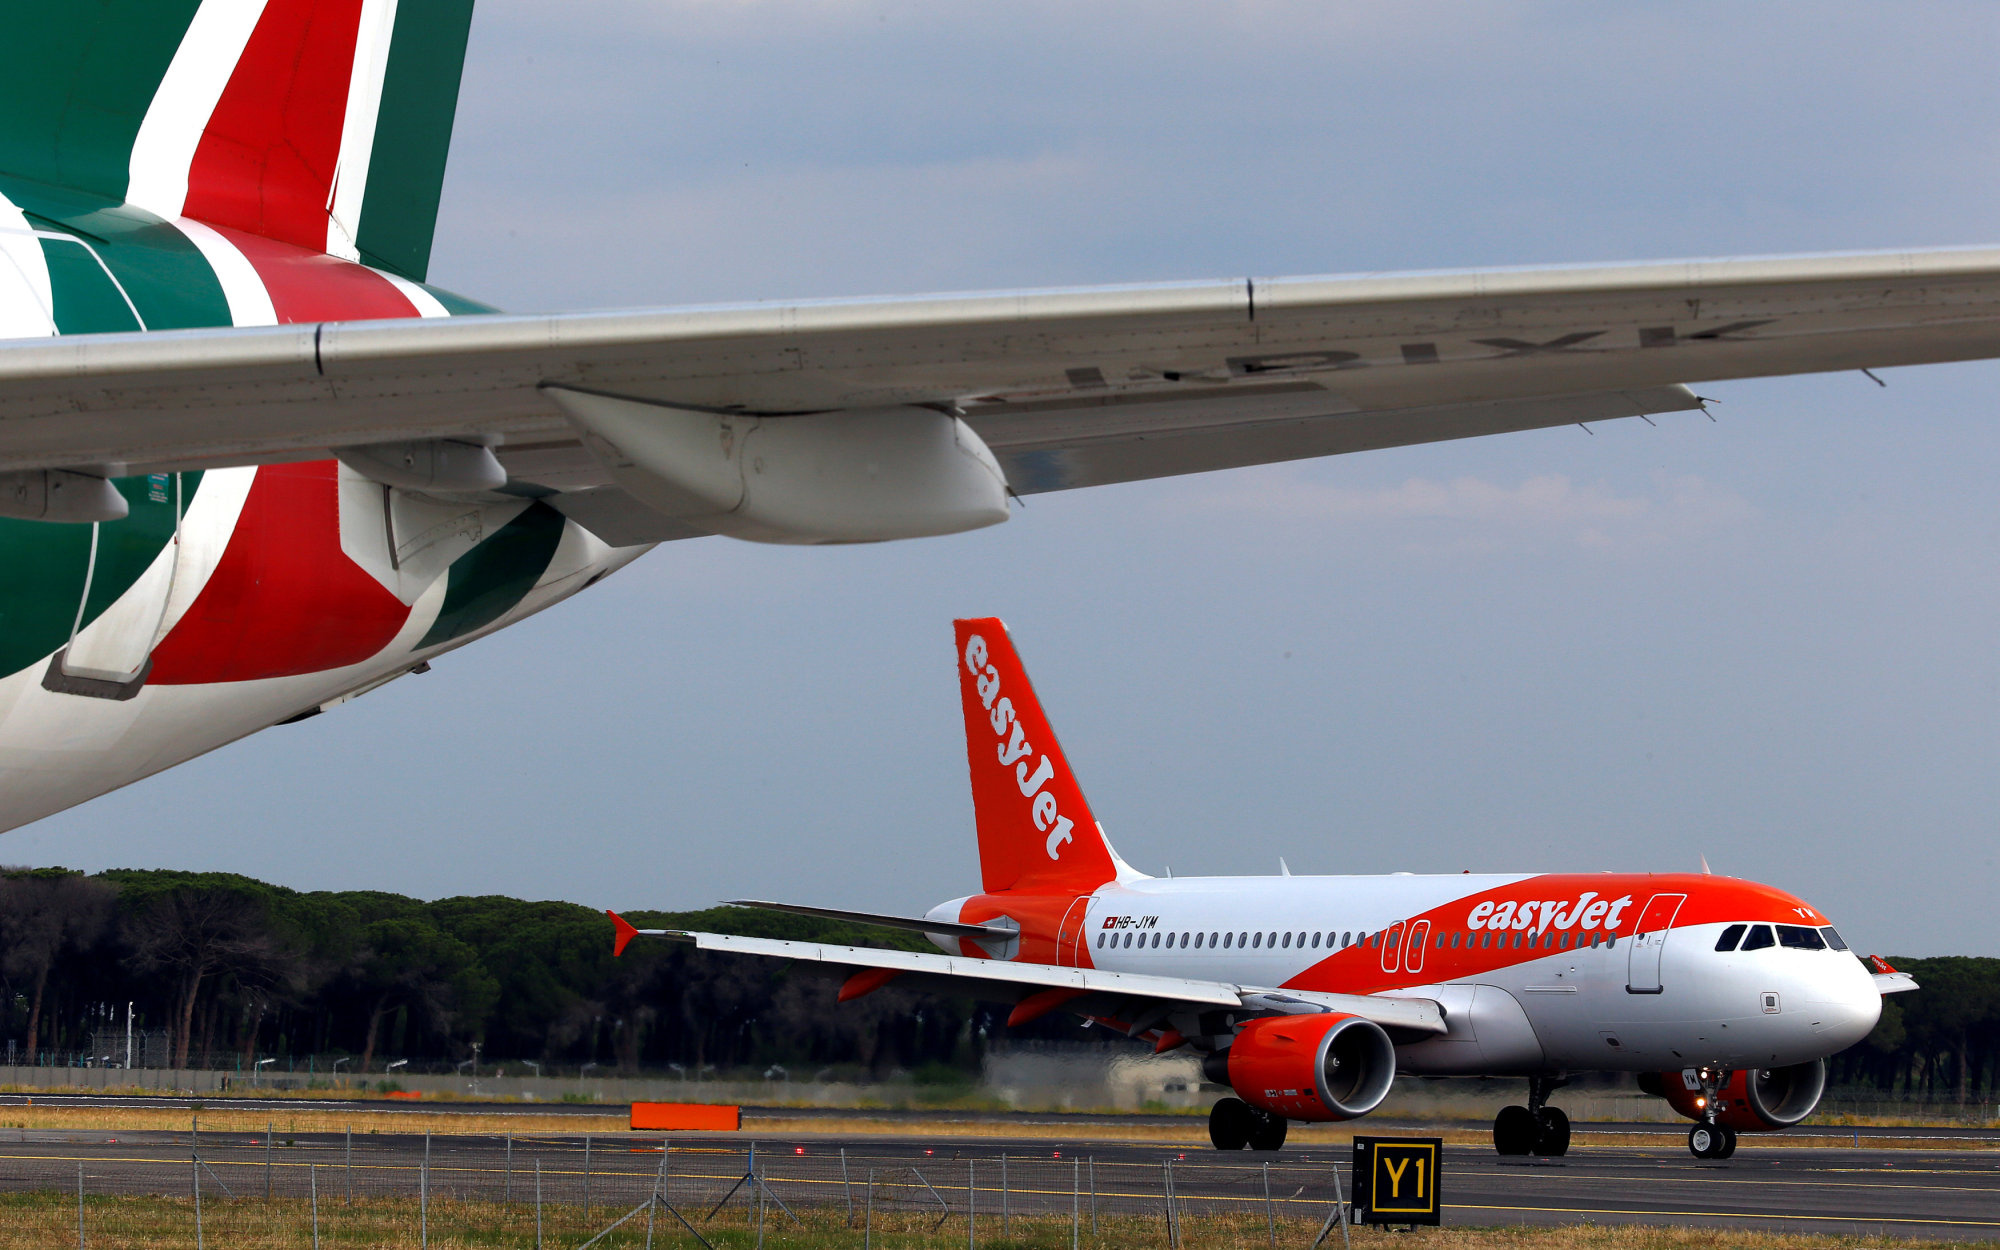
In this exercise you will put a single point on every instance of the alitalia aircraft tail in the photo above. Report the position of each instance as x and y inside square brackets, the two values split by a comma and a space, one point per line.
[320, 123]
[1036, 832]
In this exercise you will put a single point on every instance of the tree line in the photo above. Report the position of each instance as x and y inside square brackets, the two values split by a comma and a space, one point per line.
[232, 969]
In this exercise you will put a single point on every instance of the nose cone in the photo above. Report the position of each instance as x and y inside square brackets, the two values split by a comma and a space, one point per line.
[1846, 1003]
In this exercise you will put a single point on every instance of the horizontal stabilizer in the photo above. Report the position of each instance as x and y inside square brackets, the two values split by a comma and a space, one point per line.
[982, 932]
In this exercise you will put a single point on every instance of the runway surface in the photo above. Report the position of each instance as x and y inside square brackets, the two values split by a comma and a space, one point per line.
[1952, 1190]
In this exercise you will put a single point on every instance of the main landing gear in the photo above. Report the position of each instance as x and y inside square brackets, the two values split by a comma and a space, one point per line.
[1234, 1124]
[1536, 1129]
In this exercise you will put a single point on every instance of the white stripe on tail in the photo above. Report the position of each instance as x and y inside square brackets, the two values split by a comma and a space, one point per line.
[185, 101]
[357, 134]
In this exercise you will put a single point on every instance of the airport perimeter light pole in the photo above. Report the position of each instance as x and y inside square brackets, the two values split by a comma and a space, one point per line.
[257, 1068]
[128, 1037]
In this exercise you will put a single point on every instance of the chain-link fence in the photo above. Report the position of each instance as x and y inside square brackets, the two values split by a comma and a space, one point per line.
[579, 1186]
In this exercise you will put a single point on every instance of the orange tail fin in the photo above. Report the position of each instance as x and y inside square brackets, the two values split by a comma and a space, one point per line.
[1036, 832]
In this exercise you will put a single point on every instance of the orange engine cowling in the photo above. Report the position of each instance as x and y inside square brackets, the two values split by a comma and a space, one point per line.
[1312, 1067]
[1753, 1100]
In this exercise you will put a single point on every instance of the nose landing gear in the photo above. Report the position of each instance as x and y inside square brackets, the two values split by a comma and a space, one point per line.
[1708, 1139]
[1536, 1129]
[1234, 1124]
[1711, 1141]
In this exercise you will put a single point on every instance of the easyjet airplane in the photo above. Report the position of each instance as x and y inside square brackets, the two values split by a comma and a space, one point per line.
[1308, 995]
[252, 465]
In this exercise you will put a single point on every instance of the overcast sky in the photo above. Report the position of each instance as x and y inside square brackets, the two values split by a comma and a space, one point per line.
[1769, 640]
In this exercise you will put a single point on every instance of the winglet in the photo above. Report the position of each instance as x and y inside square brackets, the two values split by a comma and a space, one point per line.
[623, 935]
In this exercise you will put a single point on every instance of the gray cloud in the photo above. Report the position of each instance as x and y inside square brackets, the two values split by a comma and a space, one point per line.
[1788, 667]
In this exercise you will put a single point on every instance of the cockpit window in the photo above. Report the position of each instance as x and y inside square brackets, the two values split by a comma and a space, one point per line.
[1832, 937]
[1730, 937]
[1799, 938]
[1760, 937]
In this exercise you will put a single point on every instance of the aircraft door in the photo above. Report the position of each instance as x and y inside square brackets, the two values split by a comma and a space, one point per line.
[1071, 939]
[1649, 938]
[127, 583]
[1413, 956]
[1392, 941]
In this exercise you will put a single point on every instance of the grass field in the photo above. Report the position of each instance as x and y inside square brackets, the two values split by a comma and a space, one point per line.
[443, 1121]
[44, 1220]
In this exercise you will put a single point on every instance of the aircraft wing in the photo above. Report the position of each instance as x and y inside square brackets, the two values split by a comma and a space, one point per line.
[1068, 387]
[1416, 1016]
[1887, 979]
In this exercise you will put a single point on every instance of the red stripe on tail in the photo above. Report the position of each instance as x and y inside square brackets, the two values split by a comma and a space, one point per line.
[308, 286]
[271, 151]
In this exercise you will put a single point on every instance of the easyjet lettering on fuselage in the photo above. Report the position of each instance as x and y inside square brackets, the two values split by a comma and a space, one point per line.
[1585, 912]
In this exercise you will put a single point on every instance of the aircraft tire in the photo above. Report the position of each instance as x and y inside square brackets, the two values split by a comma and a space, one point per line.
[1267, 1131]
[1514, 1131]
[1229, 1124]
[1552, 1133]
[1728, 1141]
[1706, 1141]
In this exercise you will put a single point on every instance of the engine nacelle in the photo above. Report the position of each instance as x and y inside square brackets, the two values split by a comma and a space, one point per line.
[1753, 1100]
[833, 477]
[1324, 1066]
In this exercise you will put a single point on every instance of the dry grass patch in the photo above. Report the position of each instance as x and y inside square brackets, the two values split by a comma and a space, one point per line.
[42, 1220]
[306, 1119]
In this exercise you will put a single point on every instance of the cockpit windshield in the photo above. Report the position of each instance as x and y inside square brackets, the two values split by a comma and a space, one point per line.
[1832, 937]
[1799, 938]
[1760, 937]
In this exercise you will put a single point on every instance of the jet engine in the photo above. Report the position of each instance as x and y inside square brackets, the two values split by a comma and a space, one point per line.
[1308, 1067]
[1753, 1100]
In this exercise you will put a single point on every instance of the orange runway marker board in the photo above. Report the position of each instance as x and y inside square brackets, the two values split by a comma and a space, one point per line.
[686, 1115]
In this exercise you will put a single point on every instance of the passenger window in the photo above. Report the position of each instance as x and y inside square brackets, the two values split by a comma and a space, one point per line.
[1611, 941]
[1100, 941]
[1197, 941]
[1347, 939]
[1288, 941]
[1833, 939]
[1316, 941]
[1730, 937]
[1274, 941]
[1211, 941]
[1759, 938]
[1799, 938]
[1257, 942]
[1228, 940]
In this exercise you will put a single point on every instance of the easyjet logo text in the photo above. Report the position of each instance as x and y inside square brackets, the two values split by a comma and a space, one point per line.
[1587, 912]
[1016, 751]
